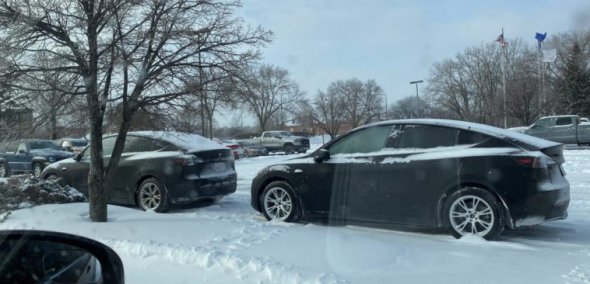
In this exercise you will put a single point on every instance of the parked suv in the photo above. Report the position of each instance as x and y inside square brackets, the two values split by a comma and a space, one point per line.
[29, 156]
[157, 170]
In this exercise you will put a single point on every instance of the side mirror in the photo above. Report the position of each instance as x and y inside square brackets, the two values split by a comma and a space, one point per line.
[78, 157]
[321, 155]
[534, 126]
[63, 258]
[22, 152]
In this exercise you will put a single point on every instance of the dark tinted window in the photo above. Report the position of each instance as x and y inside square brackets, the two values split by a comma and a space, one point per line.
[42, 144]
[426, 136]
[563, 121]
[141, 144]
[467, 137]
[363, 141]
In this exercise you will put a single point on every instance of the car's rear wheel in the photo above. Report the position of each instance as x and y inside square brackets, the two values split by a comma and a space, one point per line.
[3, 170]
[151, 196]
[279, 202]
[474, 211]
[37, 169]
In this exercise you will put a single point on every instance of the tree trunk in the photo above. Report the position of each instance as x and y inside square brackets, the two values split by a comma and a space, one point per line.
[97, 195]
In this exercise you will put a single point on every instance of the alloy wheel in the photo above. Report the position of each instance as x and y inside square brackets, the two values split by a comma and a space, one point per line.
[37, 170]
[278, 204]
[150, 196]
[471, 215]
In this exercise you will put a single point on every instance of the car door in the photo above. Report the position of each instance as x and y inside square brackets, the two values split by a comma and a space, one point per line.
[21, 162]
[130, 168]
[542, 128]
[565, 130]
[347, 185]
[415, 171]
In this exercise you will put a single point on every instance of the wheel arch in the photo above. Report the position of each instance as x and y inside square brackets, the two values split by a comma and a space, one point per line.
[443, 198]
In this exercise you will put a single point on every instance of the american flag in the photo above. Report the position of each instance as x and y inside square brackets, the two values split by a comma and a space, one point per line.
[501, 40]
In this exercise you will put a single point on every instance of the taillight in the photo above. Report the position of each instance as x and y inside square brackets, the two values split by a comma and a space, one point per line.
[233, 146]
[532, 162]
[185, 160]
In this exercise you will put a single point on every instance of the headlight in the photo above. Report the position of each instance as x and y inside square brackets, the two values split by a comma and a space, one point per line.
[51, 159]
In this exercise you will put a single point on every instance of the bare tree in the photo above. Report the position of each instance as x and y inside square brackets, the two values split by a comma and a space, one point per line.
[410, 107]
[268, 91]
[128, 51]
[328, 110]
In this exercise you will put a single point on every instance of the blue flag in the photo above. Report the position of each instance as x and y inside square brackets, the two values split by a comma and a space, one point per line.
[540, 38]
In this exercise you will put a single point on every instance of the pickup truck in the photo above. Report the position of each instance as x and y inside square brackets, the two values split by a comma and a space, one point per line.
[29, 156]
[567, 129]
[275, 141]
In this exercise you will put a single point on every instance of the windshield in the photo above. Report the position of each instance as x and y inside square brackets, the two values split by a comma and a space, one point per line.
[332, 141]
[39, 144]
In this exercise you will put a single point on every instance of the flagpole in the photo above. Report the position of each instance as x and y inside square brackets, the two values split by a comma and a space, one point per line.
[504, 79]
[541, 80]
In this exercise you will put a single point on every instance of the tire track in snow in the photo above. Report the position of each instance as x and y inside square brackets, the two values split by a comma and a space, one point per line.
[243, 267]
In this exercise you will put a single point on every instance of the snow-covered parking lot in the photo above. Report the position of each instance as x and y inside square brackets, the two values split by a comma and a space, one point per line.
[229, 242]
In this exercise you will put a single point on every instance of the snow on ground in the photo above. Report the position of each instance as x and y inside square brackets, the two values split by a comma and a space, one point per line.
[228, 242]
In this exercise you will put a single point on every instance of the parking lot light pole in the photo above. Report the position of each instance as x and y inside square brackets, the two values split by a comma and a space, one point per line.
[416, 83]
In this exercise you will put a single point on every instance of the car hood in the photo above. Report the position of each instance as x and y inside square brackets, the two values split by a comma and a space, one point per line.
[51, 152]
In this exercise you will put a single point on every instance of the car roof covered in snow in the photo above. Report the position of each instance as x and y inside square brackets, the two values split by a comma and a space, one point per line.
[187, 141]
[520, 139]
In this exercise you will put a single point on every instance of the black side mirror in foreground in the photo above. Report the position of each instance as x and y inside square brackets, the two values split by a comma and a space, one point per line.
[49, 257]
[321, 155]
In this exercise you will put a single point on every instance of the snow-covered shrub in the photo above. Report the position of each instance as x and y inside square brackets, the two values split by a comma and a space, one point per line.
[26, 191]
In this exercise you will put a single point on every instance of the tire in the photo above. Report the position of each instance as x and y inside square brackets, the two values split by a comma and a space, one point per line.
[474, 211]
[152, 196]
[289, 148]
[279, 202]
[37, 169]
[4, 172]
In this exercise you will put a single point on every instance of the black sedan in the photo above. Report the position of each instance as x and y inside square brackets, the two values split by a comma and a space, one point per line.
[470, 178]
[157, 170]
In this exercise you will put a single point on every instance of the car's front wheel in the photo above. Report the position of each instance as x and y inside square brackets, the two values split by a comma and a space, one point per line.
[474, 211]
[279, 202]
[151, 196]
[37, 169]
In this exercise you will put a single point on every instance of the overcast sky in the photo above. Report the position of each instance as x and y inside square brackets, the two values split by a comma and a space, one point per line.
[394, 42]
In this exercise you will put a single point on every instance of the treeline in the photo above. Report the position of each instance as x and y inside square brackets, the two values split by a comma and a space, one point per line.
[469, 86]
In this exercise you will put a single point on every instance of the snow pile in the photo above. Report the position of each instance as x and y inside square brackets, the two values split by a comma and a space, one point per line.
[25, 191]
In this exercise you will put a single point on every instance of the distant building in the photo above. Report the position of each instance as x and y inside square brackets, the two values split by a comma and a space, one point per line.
[15, 123]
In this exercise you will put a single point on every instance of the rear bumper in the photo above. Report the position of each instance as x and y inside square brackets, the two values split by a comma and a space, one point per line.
[192, 190]
[543, 206]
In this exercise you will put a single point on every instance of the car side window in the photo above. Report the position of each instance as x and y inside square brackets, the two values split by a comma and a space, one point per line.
[427, 136]
[362, 141]
[562, 121]
[545, 122]
[141, 144]
[22, 147]
[467, 137]
[108, 144]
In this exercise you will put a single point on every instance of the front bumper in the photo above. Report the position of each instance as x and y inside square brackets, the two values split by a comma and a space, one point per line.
[193, 190]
